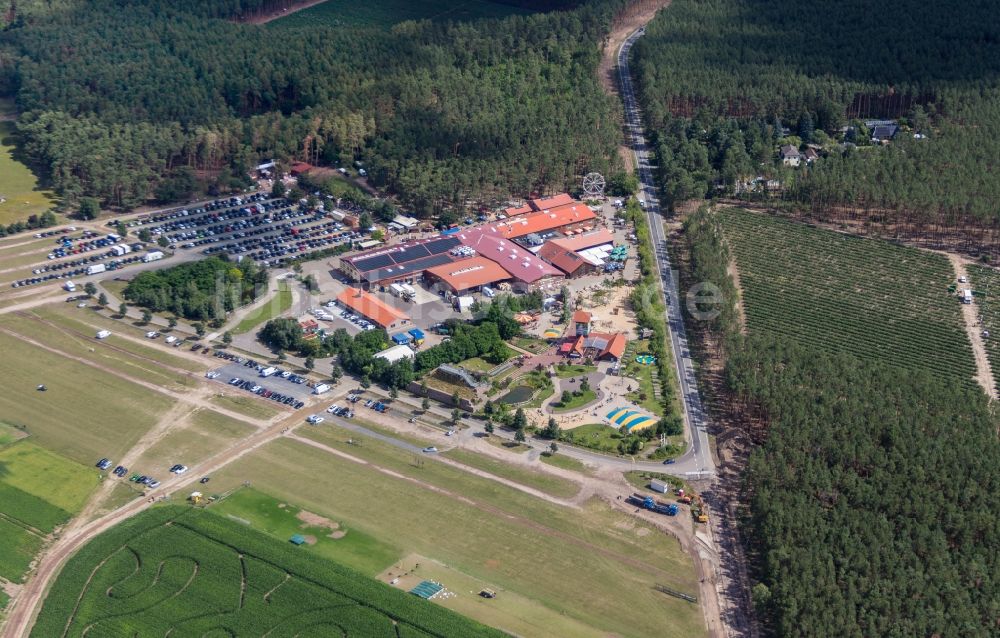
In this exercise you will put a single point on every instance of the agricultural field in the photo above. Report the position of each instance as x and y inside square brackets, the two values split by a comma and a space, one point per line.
[39, 490]
[86, 413]
[986, 280]
[278, 305]
[500, 536]
[840, 293]
[189, 572]
[548, 483]
[389, 12]
[19, 189]
[326, 537]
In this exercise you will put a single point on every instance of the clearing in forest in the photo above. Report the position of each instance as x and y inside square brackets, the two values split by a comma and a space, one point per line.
[841, 293]
[389, 12]
[178, 571]
[20, 195]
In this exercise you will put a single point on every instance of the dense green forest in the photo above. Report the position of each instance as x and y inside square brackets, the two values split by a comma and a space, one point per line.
[873, 501]
[116, 95]
[724, 82]
[200, 290]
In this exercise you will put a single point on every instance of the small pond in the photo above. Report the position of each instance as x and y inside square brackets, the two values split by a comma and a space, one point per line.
[519, 394]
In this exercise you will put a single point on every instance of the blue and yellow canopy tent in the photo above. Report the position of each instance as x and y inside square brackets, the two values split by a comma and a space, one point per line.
[631, 420]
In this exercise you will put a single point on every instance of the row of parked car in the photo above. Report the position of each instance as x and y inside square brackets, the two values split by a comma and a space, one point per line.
[120, 471]
[267, 393]
[114, 264]
[52, 233]
[177, 213]
[85, 245]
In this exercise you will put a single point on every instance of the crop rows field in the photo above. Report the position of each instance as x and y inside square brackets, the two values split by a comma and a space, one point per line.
[841, 293]
[348, 13]
[185, 572]
[39, 490]
[987, 281]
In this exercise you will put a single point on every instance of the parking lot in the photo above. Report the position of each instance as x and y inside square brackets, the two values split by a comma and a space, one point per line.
[282, 384]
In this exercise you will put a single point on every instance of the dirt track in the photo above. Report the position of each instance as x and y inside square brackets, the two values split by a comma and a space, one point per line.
[984, 374]
[636, 15]
[305, 4]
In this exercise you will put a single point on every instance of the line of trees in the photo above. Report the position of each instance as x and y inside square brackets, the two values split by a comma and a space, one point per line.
[439, 112]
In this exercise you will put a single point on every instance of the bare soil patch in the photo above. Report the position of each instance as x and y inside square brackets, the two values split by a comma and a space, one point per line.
[305, 4]
[984, 374]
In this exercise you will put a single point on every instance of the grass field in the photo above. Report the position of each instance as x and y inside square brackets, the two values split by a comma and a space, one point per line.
[18, 184]
[566, 371]
[595, 436]
[244, 405]
[190, 440]
[326, 538]
[841, 293]
[279, 304]
[9, 434]
[188, 572]
[531, 344]
[51, 477]
[575, 402]
[389, 12]
[107, 353]
[39, 490]
[564, 462]
[548, 483]
[488, 531]
[475, 364]
[86, 413]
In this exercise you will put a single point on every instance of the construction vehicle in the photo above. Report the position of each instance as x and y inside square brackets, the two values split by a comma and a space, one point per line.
[684, 499]
[698, 510]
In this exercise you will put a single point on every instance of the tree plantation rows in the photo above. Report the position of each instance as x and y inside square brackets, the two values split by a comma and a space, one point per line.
[838, 293]
[439, 112]
[723, 83]
[873, 500]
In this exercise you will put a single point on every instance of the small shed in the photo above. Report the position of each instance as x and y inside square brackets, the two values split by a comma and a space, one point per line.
[297, 539]
[402, 338]
[659, 486]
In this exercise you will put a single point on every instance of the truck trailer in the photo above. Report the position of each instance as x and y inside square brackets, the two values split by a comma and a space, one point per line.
[96, 268]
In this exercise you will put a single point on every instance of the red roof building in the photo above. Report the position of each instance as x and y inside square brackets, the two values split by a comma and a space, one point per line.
[565, 260]
[523, 266]
[566, 217]
[372, 307]
[468, 274]
[597, 346]
[299, 168]
[586, 240]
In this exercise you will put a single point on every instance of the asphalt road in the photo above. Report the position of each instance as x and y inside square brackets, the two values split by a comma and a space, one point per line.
[698, 459]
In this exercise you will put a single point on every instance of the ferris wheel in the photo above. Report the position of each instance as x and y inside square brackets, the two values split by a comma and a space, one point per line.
[593, 185]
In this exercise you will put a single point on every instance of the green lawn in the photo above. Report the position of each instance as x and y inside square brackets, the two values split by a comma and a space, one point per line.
[282, 520]
[641, 480]
[564, 462]
[595, 436]
[489, 531]
[386, 13]
[86, 413]
[54, 478]
[554, 485]
[575, 402]
[275, 307]
[531, 344]
[573, 370]
[475, 364]
[18, 184]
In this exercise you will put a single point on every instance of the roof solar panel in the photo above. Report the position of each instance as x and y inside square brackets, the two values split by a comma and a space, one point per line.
[409, 254]
[372, 263]
[442, 245]
[403, 270]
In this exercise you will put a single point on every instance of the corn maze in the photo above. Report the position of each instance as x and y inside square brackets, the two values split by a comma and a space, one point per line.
[841, 293]
[986, 282]
[178, 572]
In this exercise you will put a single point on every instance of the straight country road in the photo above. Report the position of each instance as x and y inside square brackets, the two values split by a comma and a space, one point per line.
[698, 459]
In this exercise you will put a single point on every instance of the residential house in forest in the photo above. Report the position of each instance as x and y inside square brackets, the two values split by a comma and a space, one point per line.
[790, 155]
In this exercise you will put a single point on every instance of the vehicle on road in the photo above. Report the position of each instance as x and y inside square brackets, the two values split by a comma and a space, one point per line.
[430, 449]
